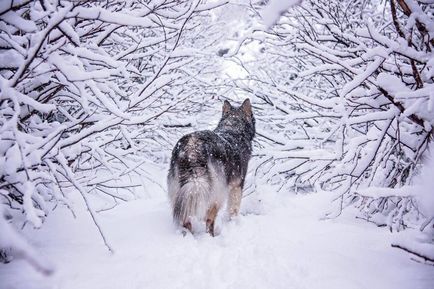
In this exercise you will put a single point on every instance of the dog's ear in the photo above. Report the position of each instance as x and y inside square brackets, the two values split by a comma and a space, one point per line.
[226, 107]
[247, 108]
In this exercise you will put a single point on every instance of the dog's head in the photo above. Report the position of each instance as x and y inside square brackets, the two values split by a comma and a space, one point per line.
[239, 119]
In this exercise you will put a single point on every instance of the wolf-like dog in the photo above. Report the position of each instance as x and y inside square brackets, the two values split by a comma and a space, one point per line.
[208, 168]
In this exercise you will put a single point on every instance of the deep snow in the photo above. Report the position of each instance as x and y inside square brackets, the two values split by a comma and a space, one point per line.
[278, 242]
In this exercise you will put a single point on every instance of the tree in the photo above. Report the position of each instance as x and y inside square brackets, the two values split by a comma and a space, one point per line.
[345, 95]
[82, 84]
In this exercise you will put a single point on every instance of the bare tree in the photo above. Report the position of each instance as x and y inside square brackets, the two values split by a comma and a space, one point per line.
[345, 96]
[82, 84]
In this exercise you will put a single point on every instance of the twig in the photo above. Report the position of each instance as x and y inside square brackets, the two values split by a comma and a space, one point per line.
[68, 175]
[425, 258]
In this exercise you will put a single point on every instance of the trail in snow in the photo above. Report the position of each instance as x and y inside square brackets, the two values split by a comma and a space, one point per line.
[278, 243]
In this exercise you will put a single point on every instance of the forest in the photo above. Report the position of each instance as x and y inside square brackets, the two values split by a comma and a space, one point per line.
[94, 95]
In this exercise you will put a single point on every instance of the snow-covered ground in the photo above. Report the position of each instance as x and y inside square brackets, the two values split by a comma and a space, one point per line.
[278, 242]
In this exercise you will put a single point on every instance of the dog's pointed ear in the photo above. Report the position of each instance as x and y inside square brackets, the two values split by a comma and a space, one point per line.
[226, 107]
[247, 108]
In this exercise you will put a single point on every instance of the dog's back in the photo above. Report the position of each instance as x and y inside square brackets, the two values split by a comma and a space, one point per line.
[207, 167]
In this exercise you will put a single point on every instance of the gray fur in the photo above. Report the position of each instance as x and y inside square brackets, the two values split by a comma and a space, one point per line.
[204, 163]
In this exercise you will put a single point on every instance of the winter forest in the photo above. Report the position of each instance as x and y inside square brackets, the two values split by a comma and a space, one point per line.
[94, 95]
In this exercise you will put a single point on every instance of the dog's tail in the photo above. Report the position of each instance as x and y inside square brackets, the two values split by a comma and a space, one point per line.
[192, 198]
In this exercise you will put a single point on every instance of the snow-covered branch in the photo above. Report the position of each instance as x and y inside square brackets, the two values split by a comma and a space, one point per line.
[85, 90]
[345, 89]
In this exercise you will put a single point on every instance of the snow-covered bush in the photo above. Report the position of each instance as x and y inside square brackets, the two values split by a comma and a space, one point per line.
[344, 92]
[82, 84]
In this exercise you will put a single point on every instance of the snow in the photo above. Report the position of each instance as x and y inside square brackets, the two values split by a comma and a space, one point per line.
[9, 238]
[279, 241]
[8, 4]
[15, 19]
[10, 59]
[112, 17]
[360, 78]
[425, 182]
[417, 101]
[380, 192]
[89, 88]
[274, 9]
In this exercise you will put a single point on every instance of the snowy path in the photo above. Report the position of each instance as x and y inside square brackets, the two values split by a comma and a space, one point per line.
[285, 246]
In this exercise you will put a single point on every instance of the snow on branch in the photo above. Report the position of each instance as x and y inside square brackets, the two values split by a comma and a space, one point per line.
[274, 10]
[353, 81]
[82, 84]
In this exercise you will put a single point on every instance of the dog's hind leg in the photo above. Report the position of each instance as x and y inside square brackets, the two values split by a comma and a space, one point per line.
[234, 201]
[210, 218]
[187, 226]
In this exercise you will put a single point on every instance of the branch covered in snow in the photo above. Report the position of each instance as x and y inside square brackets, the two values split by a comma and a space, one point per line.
[274, 9]
[86, 89]
[344, 98]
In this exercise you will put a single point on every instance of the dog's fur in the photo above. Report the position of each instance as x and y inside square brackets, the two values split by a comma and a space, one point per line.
[208, 168]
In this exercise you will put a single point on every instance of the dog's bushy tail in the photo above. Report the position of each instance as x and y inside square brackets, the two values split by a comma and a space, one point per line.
[191, 198]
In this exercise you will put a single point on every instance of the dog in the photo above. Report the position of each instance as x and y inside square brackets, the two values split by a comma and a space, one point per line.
[208, 168]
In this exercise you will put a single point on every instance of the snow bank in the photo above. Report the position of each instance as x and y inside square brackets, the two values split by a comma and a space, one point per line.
[277, 242]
